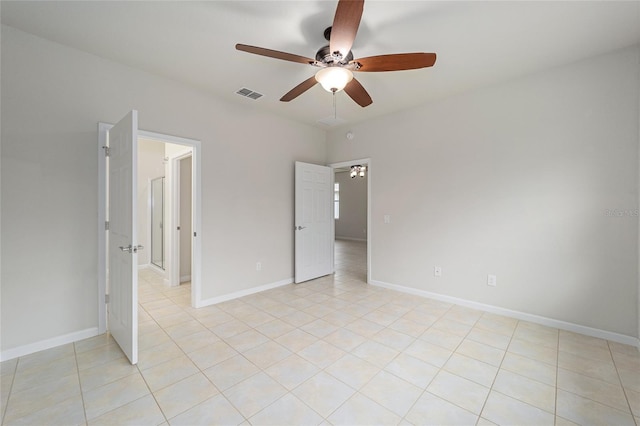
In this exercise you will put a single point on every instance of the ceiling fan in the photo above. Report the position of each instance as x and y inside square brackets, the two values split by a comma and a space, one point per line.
[336, 61]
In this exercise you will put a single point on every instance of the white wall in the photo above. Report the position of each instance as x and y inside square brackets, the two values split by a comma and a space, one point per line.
[52, 98]
[150, 166]
[352, 223]
[514, 180]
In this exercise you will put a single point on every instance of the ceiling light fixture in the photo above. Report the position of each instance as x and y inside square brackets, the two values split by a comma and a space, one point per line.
[358, 170]
[333, 78]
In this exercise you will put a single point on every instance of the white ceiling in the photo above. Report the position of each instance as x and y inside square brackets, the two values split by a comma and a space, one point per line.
[478, 43]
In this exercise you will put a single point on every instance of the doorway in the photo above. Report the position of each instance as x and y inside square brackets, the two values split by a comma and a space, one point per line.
[352, 218]
[171, 150]
[165, 210]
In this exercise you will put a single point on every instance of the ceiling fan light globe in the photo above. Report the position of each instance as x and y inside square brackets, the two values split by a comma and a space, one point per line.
[334, 79]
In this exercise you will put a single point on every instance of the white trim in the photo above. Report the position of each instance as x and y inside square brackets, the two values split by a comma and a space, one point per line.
[175, 237]
[333, 221]
[160, 137]
[102, 233]
[48, 343]
[549, 322]
[174, 246]
[185, 278]
[246, 292]
[366, 161]
[196, 226]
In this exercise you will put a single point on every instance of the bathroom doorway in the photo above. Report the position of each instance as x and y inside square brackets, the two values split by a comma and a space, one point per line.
[165, 209]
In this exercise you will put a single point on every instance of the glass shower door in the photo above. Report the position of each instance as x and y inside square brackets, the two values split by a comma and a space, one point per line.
[157, 219]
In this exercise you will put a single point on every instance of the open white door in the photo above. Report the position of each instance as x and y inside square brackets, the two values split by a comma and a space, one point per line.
[123, 246]
[313, 227]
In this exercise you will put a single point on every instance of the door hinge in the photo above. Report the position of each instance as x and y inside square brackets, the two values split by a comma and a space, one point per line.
[106, 225]
[194, 234]
[106, 298]
[107, 151]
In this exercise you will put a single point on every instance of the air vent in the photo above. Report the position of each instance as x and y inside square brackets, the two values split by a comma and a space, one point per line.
[248, 93]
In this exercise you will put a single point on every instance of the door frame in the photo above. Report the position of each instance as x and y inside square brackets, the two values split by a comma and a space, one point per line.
[350, 163]
[176, 196]
[196, 179]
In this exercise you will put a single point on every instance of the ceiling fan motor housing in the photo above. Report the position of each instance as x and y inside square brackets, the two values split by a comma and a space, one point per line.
[325, 56]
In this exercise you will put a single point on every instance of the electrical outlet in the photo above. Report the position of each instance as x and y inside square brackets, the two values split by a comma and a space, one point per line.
[437, 271]
[387, 218]
[492, 280]
[259, 266]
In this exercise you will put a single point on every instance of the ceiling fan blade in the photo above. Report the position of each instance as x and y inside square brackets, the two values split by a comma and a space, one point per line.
[396, 62]
[299, 89]
[358, 93]
[274, 54]
[345, 25]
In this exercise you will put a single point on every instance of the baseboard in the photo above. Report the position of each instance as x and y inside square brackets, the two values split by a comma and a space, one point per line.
[549, 322]
[351, 239]
[242, 293]
[48, 343]
[185, 278]
[143, 266]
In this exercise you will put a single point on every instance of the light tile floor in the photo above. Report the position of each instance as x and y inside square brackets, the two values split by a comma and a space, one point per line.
[330, 351]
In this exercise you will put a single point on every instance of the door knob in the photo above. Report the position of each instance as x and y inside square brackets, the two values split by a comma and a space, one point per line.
[131, 249]
[299, 228]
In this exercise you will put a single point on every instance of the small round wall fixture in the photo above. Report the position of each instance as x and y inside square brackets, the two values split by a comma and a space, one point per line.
[350, 135]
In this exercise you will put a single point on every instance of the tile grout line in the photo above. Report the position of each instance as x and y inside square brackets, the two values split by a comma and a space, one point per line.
[150, 392]
[624, 390]
[13, 379]
[220, 392]
[84, 406]
[497, 372]
[137, 364]
[170, 338]
[357, 391]
[529, 378]
[261, 370]
[137, 369]
[594, 400]
[440, 369]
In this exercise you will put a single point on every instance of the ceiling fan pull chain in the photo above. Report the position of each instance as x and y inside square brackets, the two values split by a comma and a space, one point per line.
[335, 113]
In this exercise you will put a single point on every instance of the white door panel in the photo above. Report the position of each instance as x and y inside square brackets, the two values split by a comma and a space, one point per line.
[122, 247]
[313, 227]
